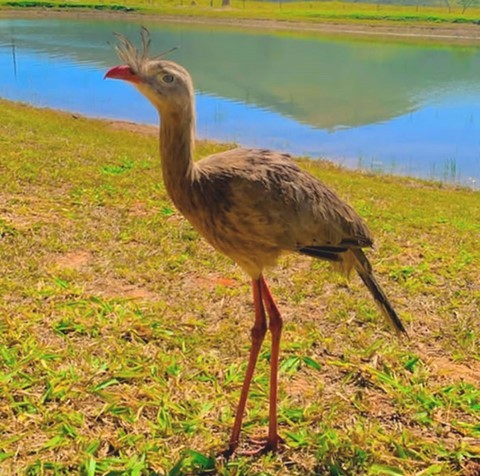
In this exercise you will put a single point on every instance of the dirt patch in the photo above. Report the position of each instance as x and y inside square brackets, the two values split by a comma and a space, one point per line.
[446, 368]
[22, 212]
[208, 281]
[143, 129]
[139, 209]
[74, 260]
[115, 288]
[104, 286]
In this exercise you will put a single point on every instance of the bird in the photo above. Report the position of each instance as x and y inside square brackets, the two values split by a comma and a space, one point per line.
[251, 205]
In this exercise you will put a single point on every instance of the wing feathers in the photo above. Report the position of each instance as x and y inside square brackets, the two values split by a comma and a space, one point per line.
[323, 252]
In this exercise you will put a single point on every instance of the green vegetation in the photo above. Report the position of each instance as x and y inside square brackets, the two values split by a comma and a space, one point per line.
[41, 4]
[464, 11]
[124, 337]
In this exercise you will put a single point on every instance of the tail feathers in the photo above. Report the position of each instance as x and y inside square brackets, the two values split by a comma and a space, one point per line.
[364, 269]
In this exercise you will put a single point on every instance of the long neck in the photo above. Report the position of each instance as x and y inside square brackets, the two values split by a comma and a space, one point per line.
[177, 144]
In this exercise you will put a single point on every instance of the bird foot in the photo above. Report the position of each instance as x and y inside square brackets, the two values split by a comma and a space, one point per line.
[255, 447]
[266, 444]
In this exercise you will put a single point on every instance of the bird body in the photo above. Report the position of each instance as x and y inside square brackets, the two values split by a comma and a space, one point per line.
[251, 205]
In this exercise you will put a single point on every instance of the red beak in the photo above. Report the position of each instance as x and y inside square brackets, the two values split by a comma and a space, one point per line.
[122, 72]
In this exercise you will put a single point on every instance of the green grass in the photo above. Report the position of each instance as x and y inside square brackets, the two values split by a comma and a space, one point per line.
[124, 337]
[302, 11]
[41, 4]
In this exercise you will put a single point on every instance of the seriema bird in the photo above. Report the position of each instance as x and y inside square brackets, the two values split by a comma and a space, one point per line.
[251, 205]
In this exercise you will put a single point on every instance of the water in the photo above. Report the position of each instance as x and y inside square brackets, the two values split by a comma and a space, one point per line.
[402, 108]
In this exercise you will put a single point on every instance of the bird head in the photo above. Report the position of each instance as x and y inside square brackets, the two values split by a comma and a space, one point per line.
[167, 85]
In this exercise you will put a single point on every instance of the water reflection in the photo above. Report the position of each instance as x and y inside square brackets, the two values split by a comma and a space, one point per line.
[393, 107]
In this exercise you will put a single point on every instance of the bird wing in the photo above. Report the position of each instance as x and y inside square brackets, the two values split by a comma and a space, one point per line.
[265, 197]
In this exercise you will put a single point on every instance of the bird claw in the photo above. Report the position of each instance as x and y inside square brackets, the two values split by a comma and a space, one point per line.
[266, 444]
[255, 447]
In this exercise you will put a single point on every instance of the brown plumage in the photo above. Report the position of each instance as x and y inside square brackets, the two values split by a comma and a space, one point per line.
[251, 205]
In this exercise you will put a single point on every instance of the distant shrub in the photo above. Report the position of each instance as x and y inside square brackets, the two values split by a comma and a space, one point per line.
[36, 4]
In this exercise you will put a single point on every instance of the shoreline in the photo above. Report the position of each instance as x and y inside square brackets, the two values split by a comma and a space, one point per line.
[451, 33]
[152, 130]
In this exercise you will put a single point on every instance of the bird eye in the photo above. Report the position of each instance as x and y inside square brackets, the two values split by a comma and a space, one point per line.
[168, 78]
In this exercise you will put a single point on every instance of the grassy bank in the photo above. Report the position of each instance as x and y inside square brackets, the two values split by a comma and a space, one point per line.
[124, 337]
[310, 12]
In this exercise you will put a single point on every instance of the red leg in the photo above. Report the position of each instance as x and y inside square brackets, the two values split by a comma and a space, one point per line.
[258, 334]
[276, 324]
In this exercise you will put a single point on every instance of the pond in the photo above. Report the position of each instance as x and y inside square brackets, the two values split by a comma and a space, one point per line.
[393, 107]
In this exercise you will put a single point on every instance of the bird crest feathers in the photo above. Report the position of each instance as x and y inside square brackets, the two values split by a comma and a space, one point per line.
[134, 57]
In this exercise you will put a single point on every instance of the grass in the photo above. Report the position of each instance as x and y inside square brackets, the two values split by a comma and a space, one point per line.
[68, 5]
[301, 11]
[124, 337]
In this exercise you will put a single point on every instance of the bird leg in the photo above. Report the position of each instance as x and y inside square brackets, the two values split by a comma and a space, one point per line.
[258, 332]
[275, 326]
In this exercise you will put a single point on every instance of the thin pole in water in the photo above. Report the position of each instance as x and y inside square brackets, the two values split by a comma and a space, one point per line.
[14, 58]
[14, 52]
